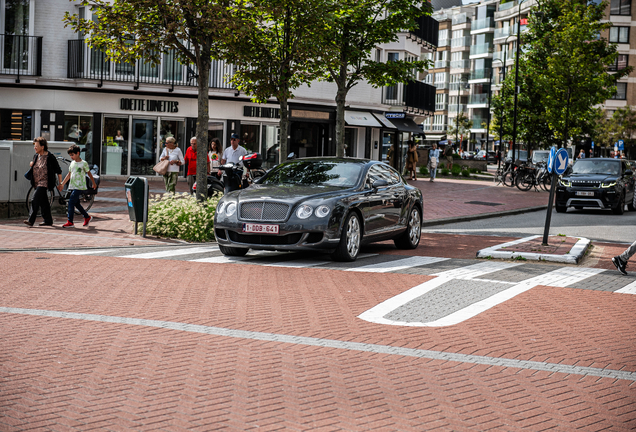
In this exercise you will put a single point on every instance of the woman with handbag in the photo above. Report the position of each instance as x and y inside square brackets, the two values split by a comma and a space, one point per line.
[44, 167]
[174, 158]
[433, 160]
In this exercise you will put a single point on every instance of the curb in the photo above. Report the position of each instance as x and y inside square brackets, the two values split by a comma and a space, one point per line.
[481, 216]
[573, 257]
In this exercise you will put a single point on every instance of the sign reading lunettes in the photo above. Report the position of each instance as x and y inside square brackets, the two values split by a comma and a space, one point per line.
[149, 105]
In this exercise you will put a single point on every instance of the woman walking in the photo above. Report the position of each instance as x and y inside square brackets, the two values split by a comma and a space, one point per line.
[215, 154]
[173, 154]
[411, 160]
[45, 167]
[433, 159]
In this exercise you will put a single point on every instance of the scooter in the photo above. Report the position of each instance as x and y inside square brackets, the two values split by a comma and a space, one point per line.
[235, 177]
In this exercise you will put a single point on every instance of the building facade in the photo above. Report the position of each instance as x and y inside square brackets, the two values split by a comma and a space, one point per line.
[477, 46]
[52, 84]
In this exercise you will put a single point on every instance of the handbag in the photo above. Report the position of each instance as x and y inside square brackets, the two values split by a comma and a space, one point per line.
[29, 174]
[162, 167]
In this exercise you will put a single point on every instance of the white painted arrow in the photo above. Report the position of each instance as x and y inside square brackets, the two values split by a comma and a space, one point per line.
[562, 161]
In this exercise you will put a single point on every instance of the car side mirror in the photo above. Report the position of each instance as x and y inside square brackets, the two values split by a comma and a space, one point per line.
[379, 183]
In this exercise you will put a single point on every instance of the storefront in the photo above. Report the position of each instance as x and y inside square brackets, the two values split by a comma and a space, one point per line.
[359, 133]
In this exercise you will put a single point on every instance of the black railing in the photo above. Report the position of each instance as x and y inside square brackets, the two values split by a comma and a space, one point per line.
[416, 96]
[428, 30]
[21, 55]
[90, 63]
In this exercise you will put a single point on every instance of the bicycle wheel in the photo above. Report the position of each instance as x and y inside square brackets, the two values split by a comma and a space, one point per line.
[29, 199]
[546, 181]
[498, 177]
[509, 179]
[524, 182]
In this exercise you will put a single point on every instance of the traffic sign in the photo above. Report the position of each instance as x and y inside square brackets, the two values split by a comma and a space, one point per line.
[592, 144]
[551, 159]
[621, 145]
[561, 161]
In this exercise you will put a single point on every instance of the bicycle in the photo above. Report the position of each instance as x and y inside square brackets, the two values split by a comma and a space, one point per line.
[88, 197]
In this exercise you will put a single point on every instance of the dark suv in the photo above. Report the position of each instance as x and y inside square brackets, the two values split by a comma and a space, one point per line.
[597, 182]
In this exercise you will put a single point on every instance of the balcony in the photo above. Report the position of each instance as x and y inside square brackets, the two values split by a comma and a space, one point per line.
[441, 106]
[499, 55]
[460, 64]
[461, 18]
[415, 96]
[21, 55]
[461, 41]
[427, 32]
[504, 32]
[481, 49]
[443, 42]
[89, 63]
[479, 122]
[441, 85]
[480, 74]
[478, 99]
[452, 108]
[457, 86]
[440, 64]
[439, 127]
[508, 5]
[483, 24]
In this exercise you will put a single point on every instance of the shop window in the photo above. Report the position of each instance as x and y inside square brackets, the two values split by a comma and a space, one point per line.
[115, 146]
[270, 145]
[15, 125]
[79, 129]
[250, 134]
[143, 151]
[175, 129]
[351, 142]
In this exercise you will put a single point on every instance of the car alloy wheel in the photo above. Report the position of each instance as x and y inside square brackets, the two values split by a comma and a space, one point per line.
[415, 227]
[353, 236]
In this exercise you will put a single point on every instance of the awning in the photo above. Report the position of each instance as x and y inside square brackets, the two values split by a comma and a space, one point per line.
[385, 121]
[358, 118]
[407, 125]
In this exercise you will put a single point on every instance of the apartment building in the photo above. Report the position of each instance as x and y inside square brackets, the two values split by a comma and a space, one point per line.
[481, 50]
[52, 84]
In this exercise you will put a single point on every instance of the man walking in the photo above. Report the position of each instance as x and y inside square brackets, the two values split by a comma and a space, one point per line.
[620, 261]
[448, 152]
[234, 152]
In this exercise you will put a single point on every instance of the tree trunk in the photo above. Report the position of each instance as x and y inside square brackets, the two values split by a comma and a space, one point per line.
[341, 98]
[203, 82]
[284, 130]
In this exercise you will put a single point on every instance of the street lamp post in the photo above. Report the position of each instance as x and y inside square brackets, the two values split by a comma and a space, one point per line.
[514, 116]
[502, 94]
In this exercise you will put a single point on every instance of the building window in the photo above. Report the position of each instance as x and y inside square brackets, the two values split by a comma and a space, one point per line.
[621, 7]
[621, 91]
[619, 35]
[620, 64]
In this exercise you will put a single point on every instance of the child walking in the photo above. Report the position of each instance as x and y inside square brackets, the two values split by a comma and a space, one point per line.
[77, 185]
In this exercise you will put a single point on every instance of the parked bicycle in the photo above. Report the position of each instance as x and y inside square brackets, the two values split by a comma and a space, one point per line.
[88, 197]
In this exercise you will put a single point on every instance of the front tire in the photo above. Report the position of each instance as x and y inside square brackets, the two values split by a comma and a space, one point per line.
[620, 207]
[233, 251]
[410, 239]
[350, 240]
[560, 209]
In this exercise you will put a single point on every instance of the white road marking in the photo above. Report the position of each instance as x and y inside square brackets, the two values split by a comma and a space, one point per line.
[171, 253]
[301, 263]
[81, 252]
[397, 264]
[561, 278]
[628, 289]
[222, 259]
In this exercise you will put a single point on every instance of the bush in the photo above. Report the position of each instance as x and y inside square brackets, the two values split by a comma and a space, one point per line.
[423, 170]
[473, 170]
[181, 216]
[456, 170]
[445, 171]
[466, 173]
[456, 156]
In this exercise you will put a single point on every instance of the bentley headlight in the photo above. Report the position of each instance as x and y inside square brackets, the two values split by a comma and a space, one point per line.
[220, 208]
[304, 211]
[322, 211]
[608, 184]
[564, 182]
[230, 209]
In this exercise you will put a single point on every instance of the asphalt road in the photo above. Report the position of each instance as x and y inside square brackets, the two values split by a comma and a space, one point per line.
[597, 225]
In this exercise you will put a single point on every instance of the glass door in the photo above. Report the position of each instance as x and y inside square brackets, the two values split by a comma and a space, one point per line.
[115, 146]
[270, 145]
[79, 129]
[175, 129]
[250, 137]
[143, 146]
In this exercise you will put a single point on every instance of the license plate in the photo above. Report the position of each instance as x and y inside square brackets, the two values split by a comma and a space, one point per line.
[260, 228]
[580, 193]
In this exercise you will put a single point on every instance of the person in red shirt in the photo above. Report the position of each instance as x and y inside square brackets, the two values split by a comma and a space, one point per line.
[191, 160]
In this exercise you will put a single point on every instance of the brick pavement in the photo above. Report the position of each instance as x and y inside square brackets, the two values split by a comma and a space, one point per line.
[66, 374]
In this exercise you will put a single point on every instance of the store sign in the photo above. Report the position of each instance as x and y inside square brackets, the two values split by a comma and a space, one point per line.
[148, 105]
[254, 111]
[318, 115]
[395, 115]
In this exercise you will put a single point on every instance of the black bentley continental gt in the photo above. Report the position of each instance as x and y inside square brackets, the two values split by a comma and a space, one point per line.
[330, 204]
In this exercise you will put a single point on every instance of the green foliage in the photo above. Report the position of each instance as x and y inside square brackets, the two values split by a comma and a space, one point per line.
[456, 170]
[445, 171]
[355, 29]
[181, 216]
[423, 170]
[465, 173]
[621, 125]
[461, 127]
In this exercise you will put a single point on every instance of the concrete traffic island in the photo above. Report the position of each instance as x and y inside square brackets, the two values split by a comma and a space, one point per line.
[562, 249]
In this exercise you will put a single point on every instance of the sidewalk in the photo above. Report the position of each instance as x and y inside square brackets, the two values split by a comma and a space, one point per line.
[446, 200]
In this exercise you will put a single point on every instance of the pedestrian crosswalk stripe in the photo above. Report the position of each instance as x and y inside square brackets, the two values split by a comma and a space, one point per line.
[222, 259]
[400, 264]
[475, 270]
[628, 289]
[81, 252]
[171, 253]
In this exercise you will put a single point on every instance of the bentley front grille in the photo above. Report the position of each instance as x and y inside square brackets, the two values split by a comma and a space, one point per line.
[264, 211]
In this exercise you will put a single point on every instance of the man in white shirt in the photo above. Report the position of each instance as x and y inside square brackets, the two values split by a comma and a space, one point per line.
[234, 152]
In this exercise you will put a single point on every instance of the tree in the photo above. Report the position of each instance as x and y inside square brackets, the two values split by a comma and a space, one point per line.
[130, 30]
[566, 65]
[276, 51]
[355, 28]
[463, 125]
